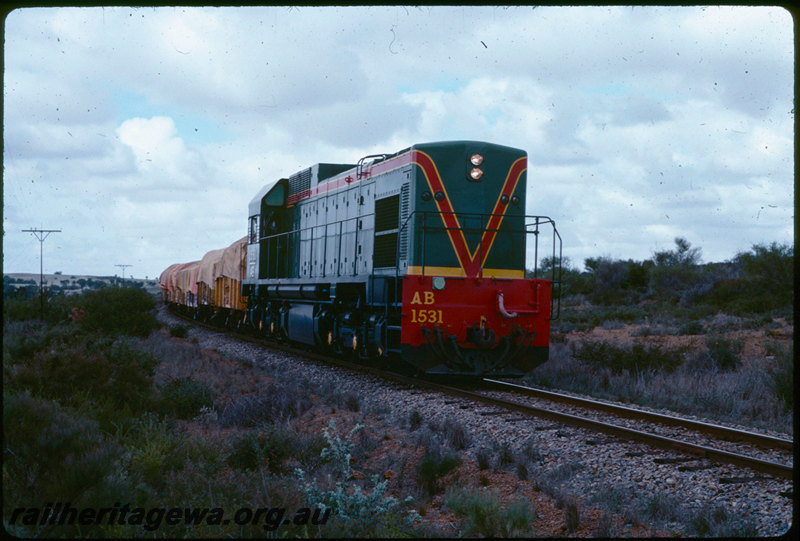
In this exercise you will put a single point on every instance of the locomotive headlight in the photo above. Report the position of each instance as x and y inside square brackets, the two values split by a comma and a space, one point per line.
[476, 159]
[476, 173]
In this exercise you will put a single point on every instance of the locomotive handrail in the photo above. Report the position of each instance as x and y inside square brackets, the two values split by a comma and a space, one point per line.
[538, 221]
[532, 226]
[340, 223]
[360, 164]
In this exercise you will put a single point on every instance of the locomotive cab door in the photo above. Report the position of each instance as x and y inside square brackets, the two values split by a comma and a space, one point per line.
[274, 224]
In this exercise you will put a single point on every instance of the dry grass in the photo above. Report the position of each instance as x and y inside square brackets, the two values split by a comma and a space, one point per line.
[750, 394]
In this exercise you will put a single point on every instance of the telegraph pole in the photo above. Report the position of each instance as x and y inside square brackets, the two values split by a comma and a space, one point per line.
[123, 272]
[40, 235]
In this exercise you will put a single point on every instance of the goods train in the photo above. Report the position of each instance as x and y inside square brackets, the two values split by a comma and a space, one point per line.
[414, 260]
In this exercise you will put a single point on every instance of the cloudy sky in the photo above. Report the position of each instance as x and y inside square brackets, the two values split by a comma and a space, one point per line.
[142, 133]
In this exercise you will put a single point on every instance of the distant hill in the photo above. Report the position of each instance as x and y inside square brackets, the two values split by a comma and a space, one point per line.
[71, 284]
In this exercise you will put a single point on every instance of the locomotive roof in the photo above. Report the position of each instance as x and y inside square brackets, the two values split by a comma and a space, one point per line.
[310, 177]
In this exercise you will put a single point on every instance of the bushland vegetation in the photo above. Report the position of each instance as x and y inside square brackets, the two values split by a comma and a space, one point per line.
[98, 408]
[687, 323]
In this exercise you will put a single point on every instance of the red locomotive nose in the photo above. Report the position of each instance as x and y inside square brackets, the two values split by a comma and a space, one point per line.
[470, 323]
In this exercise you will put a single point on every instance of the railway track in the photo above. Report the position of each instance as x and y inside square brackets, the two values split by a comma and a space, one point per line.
[777, 469]
[715, 454]
[718, 431]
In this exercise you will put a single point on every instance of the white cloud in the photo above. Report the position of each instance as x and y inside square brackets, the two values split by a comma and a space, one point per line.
[131, 127]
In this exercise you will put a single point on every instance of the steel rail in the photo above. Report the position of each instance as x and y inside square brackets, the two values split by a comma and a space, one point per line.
[717, 455]
[719, 431]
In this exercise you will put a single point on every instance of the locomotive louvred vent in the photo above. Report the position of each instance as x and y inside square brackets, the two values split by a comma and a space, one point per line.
[385, 250]
[404, 202]
[300, 182]
[387, 215]
[387, 212]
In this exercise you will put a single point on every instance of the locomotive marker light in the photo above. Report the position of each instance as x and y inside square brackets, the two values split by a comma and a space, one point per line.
[438, 282]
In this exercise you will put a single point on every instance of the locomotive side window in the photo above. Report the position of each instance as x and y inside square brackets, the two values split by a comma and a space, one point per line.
[276, 197]
[252, 235]
[273, 252]
[387, 216]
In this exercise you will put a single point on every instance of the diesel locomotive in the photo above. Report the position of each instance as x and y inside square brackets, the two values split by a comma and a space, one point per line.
[415, 260]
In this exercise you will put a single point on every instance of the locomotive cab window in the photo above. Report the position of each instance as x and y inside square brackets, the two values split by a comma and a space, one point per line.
[273, 254]
[252, 234]
[276, 196]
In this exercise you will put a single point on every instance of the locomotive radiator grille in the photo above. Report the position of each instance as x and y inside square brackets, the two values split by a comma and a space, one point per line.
[387, 215]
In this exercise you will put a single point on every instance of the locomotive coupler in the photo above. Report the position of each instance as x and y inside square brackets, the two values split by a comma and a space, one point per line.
[482, 337]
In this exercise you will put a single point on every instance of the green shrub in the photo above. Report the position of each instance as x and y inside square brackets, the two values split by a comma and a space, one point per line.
[435, 465]
[522, 471]
[155, 449]
[571, 515]
[714, 521]
[111, 377]
[455, 434]
[483, 456]
[185, 397]
[179, 330]
[782, 375]
[354, 512]
[635, 358]
[21, 339]
[351, 401]
[675, 271]
[505, 456]
[247, 453]
[726, 352]
[691, 328]
[52, 454]
[414, 420]
[20, 306]
[484, 516]
[530, 451]
[277, 402]
[770, 267]
[282, 444]
[657, 507]
[118, 310]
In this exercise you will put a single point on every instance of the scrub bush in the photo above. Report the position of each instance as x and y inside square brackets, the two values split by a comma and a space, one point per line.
[715, 521]
[246, 453]
[484, 516]
[726, 352]
[185, 397]
[118, 310]
[635, 358]
[277, 402]
[782, 375]
[455, 434]
[354, 512]
[51, 454]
